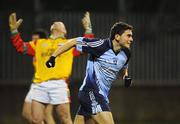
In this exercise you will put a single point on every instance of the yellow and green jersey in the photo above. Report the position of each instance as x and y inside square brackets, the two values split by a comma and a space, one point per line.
[41, 50]
[44, 48]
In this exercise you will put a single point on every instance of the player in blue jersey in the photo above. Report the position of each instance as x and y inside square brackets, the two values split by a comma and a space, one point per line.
[107, 58]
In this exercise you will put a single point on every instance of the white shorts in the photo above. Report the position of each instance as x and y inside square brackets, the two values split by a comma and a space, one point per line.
[51, 92]
[29, 94]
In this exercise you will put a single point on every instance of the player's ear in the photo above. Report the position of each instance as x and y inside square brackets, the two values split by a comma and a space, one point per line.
[117, 36]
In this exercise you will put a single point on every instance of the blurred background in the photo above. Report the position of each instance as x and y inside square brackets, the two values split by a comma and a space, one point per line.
[154, 97]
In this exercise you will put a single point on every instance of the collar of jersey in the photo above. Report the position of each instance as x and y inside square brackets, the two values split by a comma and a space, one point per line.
[61, 36]
[110, 43]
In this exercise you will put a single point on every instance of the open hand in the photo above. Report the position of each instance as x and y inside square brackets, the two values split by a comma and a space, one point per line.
[87, 23]
[13, 23]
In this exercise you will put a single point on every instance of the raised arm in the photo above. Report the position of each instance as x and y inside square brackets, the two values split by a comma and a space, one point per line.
[17, 41]
[86, 23]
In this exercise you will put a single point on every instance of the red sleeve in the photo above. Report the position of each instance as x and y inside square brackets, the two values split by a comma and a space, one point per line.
[21, 46]
[77, 53]
[89, 35]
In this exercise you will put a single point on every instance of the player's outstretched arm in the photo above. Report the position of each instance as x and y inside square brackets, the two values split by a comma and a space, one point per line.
[61, 49]
[86, 22]
[17, 41]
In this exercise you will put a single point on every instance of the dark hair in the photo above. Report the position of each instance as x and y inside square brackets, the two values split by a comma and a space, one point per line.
[42, 33]
[119, 28]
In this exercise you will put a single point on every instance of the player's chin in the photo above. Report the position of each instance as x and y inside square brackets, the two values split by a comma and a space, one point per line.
[127, 46]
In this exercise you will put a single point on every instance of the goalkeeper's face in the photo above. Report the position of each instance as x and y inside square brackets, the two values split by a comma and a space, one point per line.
[58, 27]
[35, 37]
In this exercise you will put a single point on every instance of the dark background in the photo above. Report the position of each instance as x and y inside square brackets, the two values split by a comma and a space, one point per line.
[154, 65]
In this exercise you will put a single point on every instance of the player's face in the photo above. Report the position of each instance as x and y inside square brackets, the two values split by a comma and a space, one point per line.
[59, 26]
[125, 39]
[35, 37]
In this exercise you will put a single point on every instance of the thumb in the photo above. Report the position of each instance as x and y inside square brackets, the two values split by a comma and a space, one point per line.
[19, 22]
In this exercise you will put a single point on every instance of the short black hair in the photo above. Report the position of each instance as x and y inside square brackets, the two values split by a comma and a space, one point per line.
[41, 32]
[119, 28]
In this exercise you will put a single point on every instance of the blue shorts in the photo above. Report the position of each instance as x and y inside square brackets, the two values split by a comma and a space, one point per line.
[91, 102]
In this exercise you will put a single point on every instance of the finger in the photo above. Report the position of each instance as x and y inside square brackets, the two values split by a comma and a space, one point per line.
[88, 17]
[10, 17]
[13, 19]
[87, 13]
[85, 18]
[19, 22]
[84, 22]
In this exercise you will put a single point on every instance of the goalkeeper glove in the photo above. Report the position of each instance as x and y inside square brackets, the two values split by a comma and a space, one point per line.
[86, 21]
[127, 81]
[14, 23]
[51, 62]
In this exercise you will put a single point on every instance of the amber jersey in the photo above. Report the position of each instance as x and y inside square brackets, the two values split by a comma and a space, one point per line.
[43, 50]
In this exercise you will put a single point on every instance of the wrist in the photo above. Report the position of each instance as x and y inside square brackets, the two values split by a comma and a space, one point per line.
[88, 31]
[14, 32]
[53, 57]
[127, 81]
[125, 76]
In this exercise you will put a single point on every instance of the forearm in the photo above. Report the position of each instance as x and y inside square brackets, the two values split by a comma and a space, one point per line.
[17, 41]
[68, 45]
[124, 73]
[20, 45]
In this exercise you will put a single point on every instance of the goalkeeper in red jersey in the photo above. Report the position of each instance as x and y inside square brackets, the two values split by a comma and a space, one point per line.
[50, 85]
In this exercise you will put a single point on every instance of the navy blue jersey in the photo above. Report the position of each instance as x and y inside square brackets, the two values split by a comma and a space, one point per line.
[103, 66]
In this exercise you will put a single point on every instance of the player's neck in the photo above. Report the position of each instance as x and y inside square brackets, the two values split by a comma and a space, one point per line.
[116, 46]
[56, 35]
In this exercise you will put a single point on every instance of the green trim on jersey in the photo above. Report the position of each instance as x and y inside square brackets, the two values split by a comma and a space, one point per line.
[24, 48]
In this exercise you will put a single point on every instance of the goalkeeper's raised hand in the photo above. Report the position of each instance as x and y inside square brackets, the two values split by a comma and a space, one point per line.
[51, 62]
[13, 23]
[87, 23]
